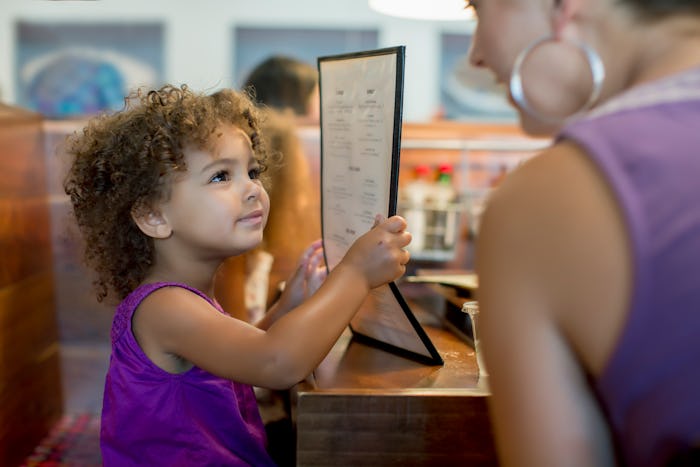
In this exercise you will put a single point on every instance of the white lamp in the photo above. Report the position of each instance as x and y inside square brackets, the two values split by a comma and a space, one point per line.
[437, 10]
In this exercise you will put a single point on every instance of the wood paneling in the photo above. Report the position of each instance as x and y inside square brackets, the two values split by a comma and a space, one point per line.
[30, 382]
[23, 173]
[24, 225]
[394, 430]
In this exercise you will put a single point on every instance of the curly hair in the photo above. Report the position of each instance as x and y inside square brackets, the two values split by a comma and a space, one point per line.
[652, 10]
[124, 162]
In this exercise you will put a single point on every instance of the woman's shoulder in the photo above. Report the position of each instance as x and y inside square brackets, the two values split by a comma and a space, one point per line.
[554, 230]
[675, 88]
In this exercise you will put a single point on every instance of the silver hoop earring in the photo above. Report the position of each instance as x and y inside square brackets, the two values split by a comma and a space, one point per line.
[516, 81]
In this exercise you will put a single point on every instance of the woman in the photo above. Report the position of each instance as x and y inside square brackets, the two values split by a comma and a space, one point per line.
[588, 254]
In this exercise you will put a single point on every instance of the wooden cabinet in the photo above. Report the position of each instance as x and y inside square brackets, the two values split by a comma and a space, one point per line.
[30, 381]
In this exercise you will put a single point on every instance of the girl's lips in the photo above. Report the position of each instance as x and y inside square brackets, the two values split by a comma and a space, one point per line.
[252, 218]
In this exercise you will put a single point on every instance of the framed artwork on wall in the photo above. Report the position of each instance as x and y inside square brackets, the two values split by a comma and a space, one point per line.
[68, 70]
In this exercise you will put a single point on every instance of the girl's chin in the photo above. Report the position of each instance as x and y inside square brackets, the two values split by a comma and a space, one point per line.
[247, 245]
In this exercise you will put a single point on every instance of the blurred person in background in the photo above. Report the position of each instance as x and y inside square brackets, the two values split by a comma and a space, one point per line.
[286, 84]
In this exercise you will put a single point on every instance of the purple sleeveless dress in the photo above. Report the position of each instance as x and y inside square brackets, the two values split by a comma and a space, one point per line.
[152, 417]
[646, 144]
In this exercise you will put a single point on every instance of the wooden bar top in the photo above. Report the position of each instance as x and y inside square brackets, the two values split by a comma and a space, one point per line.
[367, 406]
[355, 367]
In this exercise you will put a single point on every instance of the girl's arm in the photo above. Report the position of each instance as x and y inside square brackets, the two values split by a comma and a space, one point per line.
[175, 323]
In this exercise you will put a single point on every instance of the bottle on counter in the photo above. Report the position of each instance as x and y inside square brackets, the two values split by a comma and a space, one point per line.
[443, 217]
[414, 196]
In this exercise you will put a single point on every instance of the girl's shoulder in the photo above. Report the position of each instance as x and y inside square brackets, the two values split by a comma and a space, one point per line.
[125, 310]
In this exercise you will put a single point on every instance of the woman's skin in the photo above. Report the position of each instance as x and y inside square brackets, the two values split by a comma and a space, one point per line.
[553, 255]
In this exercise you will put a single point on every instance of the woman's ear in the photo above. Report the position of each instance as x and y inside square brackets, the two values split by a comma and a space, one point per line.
[151, 223]
[564, 12]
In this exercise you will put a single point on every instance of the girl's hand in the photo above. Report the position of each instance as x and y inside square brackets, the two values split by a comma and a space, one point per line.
[316, 272]
[379, 255]
[306, 279]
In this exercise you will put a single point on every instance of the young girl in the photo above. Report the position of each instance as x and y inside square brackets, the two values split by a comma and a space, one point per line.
[163, 192]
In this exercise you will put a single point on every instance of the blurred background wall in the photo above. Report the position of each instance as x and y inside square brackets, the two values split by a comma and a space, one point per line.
[210, 44]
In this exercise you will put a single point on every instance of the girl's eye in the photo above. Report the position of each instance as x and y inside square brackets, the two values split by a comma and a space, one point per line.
[254, 173]
[220, 176]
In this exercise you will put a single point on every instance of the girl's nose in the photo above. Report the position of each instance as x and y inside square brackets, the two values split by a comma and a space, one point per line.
[252, 190]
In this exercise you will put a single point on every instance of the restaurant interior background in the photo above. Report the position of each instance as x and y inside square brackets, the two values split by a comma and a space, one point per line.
[63, 60]
[213, 43]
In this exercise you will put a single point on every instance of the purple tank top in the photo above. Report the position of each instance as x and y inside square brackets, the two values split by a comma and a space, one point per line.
[152, 417]
[646, 143]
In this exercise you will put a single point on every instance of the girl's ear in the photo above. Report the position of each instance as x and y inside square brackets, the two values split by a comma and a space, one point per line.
[151, 223]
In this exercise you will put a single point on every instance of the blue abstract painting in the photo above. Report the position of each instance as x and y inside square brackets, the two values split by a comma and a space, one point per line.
[73, 70]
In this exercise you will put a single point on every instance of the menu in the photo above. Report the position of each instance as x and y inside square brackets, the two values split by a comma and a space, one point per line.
[361, 110]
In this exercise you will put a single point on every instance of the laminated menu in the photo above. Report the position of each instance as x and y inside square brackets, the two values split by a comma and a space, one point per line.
[361, 110]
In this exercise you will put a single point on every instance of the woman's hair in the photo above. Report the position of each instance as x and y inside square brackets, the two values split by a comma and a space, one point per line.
[125, 162]
[651, 10]
[283, 83]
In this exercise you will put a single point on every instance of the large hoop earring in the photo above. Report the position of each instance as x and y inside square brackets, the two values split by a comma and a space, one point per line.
[516, 81]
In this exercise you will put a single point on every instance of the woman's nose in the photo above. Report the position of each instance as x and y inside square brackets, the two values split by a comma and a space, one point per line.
[474, 54]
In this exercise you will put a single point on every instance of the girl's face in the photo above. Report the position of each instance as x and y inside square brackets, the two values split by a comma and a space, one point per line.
[218, 207]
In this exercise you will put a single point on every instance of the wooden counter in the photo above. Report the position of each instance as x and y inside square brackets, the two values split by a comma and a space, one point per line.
[30, 381]
[366, 406]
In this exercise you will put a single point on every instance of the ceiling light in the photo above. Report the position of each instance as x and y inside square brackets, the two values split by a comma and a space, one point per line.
[437, 10]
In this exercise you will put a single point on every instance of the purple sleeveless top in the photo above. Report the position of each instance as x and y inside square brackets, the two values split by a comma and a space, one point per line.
[152, 417]
[646, 143]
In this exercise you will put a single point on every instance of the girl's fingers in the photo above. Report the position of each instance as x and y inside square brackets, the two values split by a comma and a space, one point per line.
[395, 224]
[315, 246]
[314, 263]
[378, 219]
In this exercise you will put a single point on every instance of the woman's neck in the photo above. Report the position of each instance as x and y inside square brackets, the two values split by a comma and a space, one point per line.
[668, 47]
